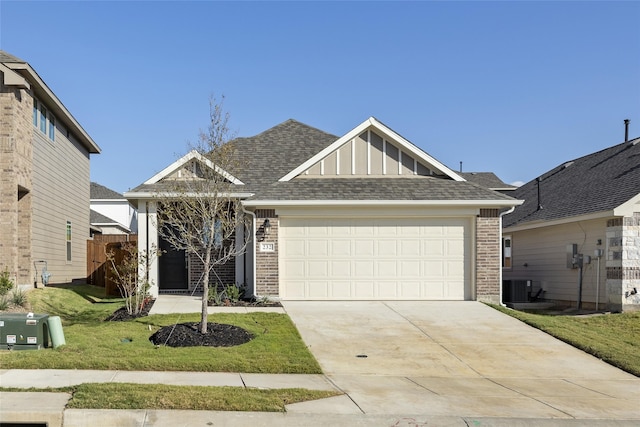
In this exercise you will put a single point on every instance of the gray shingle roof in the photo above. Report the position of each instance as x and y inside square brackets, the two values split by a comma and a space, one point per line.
[98, 192]
[98, 218]
[7, 57]
[486, 179]
[594, 183]
[272, 154]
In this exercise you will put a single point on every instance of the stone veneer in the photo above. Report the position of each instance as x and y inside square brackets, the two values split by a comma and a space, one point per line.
[623, 263]
[488, 262]
[16, 159]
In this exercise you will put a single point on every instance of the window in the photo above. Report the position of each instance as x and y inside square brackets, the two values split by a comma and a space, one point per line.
[35, 113]
[68, 241]
[506, 252]
[52, 127]
[43, 119]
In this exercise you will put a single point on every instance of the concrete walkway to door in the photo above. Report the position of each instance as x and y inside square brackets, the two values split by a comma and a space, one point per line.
[460, 359]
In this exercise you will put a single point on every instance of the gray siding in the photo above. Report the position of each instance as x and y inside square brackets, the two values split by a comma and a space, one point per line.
[61, 193]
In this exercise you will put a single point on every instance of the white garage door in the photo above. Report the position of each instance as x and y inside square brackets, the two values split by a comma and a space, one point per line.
[374, 258]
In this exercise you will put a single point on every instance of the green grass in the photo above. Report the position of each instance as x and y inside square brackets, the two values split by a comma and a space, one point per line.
[92, 343]
[159, 396]
[614, 338]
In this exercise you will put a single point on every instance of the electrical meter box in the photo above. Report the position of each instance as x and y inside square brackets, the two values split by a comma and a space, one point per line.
[24, 331]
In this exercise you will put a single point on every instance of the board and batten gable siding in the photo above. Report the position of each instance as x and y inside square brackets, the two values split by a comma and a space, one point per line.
[544, 251]
[367, 155]
[61, 185]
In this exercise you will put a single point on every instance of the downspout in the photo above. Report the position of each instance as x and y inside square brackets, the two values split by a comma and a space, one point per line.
[253, 248]
[513, 208]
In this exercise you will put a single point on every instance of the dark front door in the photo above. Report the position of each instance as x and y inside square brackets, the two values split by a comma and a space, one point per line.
[172, 267]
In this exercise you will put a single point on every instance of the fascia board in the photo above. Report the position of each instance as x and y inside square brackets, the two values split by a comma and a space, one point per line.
[388, 133]
[43, 92]
[11, 78]
[561, 221]
[148, 195]
[186, 158]
[456, 203]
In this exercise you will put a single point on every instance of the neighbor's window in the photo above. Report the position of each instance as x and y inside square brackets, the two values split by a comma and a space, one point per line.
[68, 241]
[35, 112]
[52, 127]
[506, 252]
[43, 119]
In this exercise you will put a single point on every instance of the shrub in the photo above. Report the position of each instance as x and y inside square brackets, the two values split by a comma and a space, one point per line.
[4, 303]
[19, 297]
[5, 282]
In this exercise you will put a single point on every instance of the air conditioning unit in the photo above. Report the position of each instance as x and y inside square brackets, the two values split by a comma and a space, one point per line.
[516, 290]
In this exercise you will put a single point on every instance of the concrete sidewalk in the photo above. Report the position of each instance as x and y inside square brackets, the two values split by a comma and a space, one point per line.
[436, 364]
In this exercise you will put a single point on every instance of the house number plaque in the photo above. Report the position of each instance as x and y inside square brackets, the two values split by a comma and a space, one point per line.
[267, 247]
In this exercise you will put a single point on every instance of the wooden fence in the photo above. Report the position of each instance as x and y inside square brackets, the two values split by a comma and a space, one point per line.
[98, 273]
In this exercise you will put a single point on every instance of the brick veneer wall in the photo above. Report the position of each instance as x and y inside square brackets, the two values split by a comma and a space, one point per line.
[221, 275]
[267, 262]
[16, 159]
[488, 262]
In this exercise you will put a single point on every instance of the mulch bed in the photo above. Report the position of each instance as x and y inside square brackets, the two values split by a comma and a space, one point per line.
[245, 303]
[188, 335]
[121, 314]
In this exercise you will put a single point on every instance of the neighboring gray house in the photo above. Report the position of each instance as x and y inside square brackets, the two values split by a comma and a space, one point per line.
[365, 216]
[44, 183]
[111, 213]
[592, 202]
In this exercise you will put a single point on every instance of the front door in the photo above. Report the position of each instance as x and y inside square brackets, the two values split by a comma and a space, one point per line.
[172, 267]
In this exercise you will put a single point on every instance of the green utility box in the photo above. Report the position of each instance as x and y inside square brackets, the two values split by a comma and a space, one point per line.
[24, 331]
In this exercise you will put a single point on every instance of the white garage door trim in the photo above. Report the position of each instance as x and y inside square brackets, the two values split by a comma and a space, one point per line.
[374, 258]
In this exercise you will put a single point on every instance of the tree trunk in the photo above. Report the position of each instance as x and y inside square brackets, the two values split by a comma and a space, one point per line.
[205, 293]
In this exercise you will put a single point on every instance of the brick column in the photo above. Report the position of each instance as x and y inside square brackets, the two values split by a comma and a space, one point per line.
[267, 278]
[488, 262]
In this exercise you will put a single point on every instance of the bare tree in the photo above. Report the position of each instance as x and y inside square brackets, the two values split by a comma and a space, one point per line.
[198, 210]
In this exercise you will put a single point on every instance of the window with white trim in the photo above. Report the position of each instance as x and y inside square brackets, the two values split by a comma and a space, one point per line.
[44, 120]
[506, 252]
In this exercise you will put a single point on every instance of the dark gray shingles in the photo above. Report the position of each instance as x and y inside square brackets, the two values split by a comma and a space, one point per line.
[486, 179]
[594, 183]
[98, 218]
[270, 155]
[98, 192]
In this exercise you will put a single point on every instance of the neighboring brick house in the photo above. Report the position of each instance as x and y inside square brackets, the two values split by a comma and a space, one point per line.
[588, 209]
[365, 216]
[44, 184]
[111, 213]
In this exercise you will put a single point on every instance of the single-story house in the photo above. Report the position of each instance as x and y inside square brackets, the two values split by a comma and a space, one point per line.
[364, 216]
[577, 235]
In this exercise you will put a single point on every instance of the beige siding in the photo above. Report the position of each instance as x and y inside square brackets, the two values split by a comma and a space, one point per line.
[544, 250]
[60, 194]
[374, 156]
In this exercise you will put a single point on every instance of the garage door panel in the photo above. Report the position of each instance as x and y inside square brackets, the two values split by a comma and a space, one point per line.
[374, 258]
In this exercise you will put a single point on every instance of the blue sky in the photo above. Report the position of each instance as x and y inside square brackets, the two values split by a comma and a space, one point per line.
[515, 88]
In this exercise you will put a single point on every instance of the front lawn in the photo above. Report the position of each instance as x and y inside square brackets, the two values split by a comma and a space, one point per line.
[92, 343]
[614, 338]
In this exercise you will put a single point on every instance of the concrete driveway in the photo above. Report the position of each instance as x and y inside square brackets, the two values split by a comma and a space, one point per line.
[460, 359]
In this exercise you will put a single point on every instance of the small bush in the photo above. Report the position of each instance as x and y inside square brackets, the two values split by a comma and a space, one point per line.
[5, 282]
[4, 303]
[19, 297]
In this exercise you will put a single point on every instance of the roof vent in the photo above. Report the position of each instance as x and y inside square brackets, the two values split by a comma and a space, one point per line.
[566, 165]
[626, 130]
